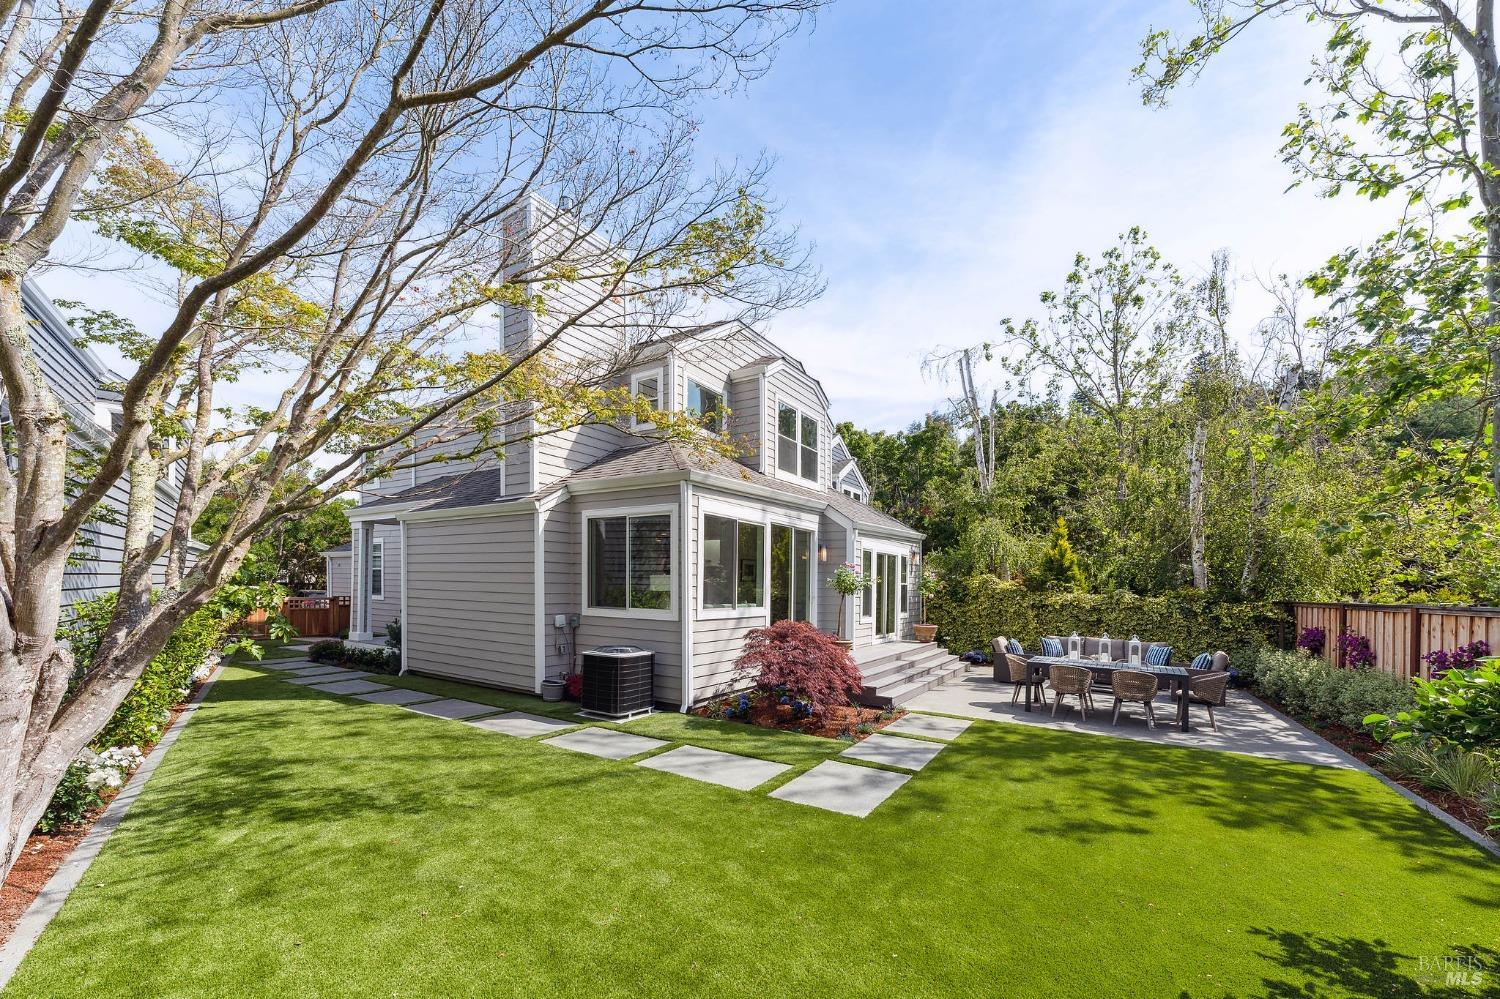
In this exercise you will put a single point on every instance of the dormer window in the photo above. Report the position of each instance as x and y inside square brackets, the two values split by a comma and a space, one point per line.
[796, 443]
[647, 385]
[707, 404]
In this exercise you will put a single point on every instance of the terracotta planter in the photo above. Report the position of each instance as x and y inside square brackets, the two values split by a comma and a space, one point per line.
[925, 632]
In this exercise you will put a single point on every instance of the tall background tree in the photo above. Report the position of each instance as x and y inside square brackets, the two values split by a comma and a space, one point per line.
[341, 217]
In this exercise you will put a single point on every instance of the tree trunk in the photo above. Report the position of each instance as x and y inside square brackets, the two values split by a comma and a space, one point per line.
[1196, 519]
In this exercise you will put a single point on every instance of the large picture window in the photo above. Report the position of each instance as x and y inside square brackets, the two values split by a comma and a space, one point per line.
[733, 564]
[707, 404]
[796, 442]
[629, 563]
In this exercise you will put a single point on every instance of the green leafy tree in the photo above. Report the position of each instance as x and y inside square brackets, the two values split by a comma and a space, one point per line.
[291, 553]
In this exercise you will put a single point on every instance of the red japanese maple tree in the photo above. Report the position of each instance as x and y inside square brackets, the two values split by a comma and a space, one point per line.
[795, 659]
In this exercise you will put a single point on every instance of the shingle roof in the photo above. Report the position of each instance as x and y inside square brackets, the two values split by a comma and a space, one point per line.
[345, 547]
[480, 487]
[472, 488]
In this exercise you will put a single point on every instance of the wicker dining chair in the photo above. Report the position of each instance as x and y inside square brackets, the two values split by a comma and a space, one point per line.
[1022, 675]
[1134, 685]
[1209, 689]
[1075, 680]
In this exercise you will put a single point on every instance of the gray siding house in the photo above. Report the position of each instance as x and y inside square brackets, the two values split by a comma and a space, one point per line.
[85, 387]
[502, 571]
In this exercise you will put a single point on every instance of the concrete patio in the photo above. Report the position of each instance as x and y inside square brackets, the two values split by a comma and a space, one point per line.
[1245, 724]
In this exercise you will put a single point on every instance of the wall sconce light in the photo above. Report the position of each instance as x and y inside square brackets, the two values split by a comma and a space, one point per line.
[822, 552]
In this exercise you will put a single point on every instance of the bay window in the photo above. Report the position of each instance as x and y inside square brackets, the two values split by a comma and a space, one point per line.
[733, 574]
[796, 442]
[628, 564]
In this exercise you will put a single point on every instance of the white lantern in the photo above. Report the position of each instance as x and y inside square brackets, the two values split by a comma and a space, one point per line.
[1075, 647]
[1104, 648]
[1135, 650]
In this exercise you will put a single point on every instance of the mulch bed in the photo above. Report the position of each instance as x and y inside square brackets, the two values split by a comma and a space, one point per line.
[836, 723]
[1363, 747]
[44, 854]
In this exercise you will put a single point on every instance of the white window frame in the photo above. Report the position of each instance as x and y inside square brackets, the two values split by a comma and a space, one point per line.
[660, 374]
[671, 614]
[867, 569]
[817, 475]
[738, 515]
[903, 588]
[722, 391]
[377, 565]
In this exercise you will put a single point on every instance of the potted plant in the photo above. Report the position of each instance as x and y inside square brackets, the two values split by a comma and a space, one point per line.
[847, 580]
[927, 589]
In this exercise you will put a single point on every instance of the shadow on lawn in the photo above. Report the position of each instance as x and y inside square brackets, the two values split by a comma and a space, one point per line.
[1372, 969]
[1090, 787]
[308, 777]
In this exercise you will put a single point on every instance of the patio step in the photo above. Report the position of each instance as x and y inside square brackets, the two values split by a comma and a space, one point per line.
[879, 671]
[890, 683]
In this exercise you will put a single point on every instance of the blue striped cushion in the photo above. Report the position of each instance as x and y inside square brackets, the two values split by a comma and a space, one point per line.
[1051, 647]
[1014, 647]
[1202, 661]
[1158, 655]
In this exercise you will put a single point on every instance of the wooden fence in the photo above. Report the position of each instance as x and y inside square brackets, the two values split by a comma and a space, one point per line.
[1400, 634]
[314, 617]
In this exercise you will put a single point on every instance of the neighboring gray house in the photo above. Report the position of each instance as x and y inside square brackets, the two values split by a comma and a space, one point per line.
[501, 571]
[82, 383]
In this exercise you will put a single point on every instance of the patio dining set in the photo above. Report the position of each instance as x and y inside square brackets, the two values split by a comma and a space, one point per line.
[1132, 672]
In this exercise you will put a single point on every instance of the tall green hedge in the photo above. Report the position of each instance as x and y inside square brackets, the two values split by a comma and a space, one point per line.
[972, 613]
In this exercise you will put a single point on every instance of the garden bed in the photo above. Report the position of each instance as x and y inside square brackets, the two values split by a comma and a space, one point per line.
[852, 723]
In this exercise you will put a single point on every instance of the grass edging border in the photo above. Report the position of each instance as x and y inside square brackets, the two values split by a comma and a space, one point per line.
[50, 899]
[1474, 836]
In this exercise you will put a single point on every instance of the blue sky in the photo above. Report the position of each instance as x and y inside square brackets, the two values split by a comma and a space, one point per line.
[948, 160]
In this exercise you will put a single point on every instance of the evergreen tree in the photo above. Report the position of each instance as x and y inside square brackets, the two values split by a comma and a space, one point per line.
[1059, 569]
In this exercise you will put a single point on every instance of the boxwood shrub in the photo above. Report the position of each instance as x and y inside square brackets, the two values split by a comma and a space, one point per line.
[1313, 689]
[164, 682]
[972, 612]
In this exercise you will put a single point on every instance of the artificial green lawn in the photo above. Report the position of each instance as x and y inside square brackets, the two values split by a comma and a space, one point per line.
[297, 844]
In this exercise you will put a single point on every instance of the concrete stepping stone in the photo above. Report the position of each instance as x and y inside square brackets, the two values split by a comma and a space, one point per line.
[932, 726]
[355, 686]
[523, 725]
[893, 751]
[713, 767]
[314, 669]
[280, 665]
[317, 678]
[605, 742]
[450, 707]
[396, 695]
[842, 787]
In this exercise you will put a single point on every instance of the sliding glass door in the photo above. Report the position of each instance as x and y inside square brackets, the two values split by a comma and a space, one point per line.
[791, 573]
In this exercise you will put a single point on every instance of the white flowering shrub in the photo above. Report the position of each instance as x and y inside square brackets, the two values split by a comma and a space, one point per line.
[85, 783]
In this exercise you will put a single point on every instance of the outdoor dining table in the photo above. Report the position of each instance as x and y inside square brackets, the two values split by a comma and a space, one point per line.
[1174, 677]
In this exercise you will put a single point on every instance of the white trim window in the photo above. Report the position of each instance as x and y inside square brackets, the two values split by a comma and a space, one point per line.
[706, 404]
[796, 442]
[732, 564]
[630, 563]
[867, 595]
[377, 569]
[793, 573]
[648, 385]
[904, 607]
